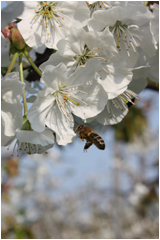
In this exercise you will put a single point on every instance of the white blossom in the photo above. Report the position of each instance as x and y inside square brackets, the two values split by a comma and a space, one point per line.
[117, 108]
[80, 47]
[46, 22]
[63, 96]
[130, 28]
[31, 142]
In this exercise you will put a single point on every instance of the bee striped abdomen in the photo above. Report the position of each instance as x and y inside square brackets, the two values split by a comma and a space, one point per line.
[97, 140]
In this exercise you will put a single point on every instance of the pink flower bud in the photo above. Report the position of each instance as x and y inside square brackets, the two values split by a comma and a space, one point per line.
[16, 39]
[6, 32]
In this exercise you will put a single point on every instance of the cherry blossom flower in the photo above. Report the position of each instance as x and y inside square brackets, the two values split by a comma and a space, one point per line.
[81, 47]
[11, 108]
[31, 142]
[63, 96]
[46, 22]
[117, 108]
[130, 28]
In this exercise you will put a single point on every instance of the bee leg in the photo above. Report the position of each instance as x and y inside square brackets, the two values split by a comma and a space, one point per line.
[87, 145]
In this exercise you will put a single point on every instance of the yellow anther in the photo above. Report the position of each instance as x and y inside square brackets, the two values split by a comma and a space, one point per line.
[46, 22]
[52, 25]
[82, 99]
[87, 93]
[100, 70]
[79, 91]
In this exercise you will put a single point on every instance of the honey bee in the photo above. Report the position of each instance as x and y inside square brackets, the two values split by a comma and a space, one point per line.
[90, 136]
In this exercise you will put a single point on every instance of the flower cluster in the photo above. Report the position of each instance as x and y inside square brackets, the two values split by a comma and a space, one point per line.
[103, 54]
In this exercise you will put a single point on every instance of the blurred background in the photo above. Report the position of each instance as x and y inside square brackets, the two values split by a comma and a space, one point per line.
[69, 194]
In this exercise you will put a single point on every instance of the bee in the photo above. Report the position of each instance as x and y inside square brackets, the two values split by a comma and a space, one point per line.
[90, 136]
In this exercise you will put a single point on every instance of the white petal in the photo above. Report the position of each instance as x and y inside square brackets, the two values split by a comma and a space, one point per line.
[116, 114]
[95, 100]
[12, 88]
[53, 77]
[44, 138]
[61, 125]
[11, 117]
[54, 60]
[39, 110]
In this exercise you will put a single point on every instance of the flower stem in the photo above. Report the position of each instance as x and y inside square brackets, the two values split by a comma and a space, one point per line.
[12, 63]
[22, 80]
[32, 63]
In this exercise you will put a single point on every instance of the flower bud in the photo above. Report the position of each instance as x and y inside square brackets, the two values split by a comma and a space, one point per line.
[16, 38]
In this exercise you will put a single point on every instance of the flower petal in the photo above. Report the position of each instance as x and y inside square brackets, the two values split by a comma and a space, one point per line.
[39, 110]
[61, 125]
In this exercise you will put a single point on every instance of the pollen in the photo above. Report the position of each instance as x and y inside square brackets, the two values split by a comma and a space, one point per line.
[46, 22]
[52, 25]
[48, 33]
[87, 93]
[79, 91]
[82, 99]
[100, 70]
[84, 113]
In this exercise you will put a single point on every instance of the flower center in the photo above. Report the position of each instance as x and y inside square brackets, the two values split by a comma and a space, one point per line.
[121, 32]
[46, 10]
[47, 13]
[68, 96]
[87, 54]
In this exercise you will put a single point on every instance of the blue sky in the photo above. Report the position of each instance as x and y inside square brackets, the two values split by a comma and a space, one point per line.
[3, 4]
